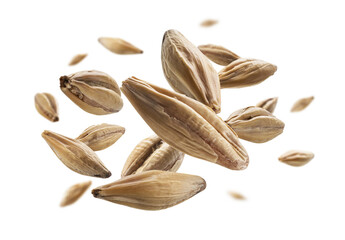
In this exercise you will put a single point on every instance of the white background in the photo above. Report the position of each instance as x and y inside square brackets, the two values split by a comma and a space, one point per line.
[305, 39]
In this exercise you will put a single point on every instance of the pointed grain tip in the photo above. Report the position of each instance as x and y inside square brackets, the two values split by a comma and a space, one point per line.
[95, 192]
[45, 133]
[63, 81]
[108, 174]
[104, 175]
[203, 186]
[275, 68]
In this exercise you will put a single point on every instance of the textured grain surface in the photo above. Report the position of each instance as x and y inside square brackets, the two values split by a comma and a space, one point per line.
[218, 54]
[188, 70]
[76, 155]
[186, 124]
[255, 124]
[268, 104]
[245, 72]
[46, 105]
[296, 158]
[102, 136]
[151, 190]
[93, 91]
[152, 154]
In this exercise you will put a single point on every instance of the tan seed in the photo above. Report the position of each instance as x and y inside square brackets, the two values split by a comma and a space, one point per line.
[102, 136]
[218, 54]
[237, 195]
[208, 23]
[188, 70]
[93, 91]
[186, 124]
[255, 124]
[301, 104]
[245, 72]
[46, 105]
[74, 193]
[77, 59]
[76, 155]
[268, 104]
[119, 46]
[296, 158]
[152, 154]
[151, 190]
